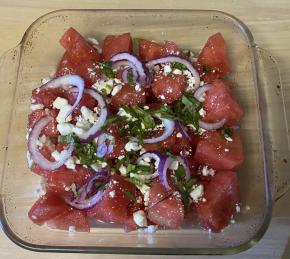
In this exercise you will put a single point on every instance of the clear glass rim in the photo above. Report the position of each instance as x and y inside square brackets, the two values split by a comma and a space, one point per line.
[149, 250]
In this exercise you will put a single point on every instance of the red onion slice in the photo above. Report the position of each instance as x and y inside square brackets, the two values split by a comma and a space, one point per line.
[200, 91]
[94, 130]
[82, 202]
[212, 126]
[168, 130]
[171, 59]
[35, 154]
[87, 204]
[152, 155]
[162, 170]
[67, 80]
[125, 56]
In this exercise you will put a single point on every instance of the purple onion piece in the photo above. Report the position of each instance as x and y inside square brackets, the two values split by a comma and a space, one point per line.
[34, 152]
[96, 128]
[212, 126]
[67, 80]
[172, 59]
[200, 92]
[182, 131]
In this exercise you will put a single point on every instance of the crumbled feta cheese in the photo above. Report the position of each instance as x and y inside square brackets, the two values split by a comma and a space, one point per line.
[145, 190]
[174, 165]
[187, 73]
[104, 164]
[229, 139]
[207, 171]
[59, 103]
[232, 221]
[142, 151]
[123, 170]
[141, 177]
[104, 86]
[88, 114]
[201, 83]
[78, 131]
[117, 81]
[61, 117]
[177, 72]
[226, 150]
[70, 163]
[146, 107]
[162, 97]
[238, 209]
[83, 123]
[167, 69]
[138, 87]
[201, 131]
[202, 112]
[116, 90]
[112, 194]
[29, 160]
[132, 146]
[121, 157]
[65, 128]
[179, 135]
[197, 192]
[140, 218]
[37, 106]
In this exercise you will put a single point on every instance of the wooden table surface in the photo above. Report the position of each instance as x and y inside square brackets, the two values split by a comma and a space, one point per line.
[269, 22]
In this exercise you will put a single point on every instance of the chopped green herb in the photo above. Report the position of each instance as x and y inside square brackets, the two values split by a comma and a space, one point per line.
[130, 77]
[107, 70]
[177, 65]
[139, 169]
[207, 69]
[73, 188]
[227, 132]
[179, 173]
[70, 139]
[135, 181]
[129, 195]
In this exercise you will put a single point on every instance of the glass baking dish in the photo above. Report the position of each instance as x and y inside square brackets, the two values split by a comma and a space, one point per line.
[256, 84]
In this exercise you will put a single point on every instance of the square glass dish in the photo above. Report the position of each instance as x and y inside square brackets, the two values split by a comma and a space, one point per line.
[256, 84]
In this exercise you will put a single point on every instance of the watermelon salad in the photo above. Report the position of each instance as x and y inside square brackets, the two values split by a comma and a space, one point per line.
[147, 139]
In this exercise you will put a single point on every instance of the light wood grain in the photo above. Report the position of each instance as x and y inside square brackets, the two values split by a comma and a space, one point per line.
[269, 22]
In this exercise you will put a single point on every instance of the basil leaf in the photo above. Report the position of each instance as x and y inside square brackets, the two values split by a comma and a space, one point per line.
[70, 139]
[207, 69]
[177, 65]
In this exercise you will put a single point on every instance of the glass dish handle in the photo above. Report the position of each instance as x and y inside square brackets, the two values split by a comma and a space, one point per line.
[274, 118]
[8, 77]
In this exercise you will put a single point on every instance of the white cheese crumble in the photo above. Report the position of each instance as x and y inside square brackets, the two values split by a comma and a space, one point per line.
[138, 87]
[65, 128]
[132, 146]
[37, 106]
[88, 115]
[140, 218]
[123, 113]
[174, 165]
[146, 107]
[116, 90]
[59, 103]
[226, 150]
[112, 194]
[238, 209]
[123, 170]
[202, 112]
[162, 97]
[167, 69]
[229, 139]
[197, 192]
[207, 171]
[145, 190]
[179, 135]
[177, 72]
[70, 163]
[104, 86]
[61, 117]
